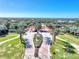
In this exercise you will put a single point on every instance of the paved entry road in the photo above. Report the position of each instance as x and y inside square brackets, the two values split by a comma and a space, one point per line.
[44, 51]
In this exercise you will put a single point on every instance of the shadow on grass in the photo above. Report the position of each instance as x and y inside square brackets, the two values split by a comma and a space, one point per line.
[69, 48]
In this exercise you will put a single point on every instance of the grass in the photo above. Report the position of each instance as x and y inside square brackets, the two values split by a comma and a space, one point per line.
[9, 36]
[14, 49]
[70, 38]
[11, 50]
[58, 52]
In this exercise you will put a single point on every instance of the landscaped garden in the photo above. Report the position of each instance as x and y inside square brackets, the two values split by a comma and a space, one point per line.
[12, 49]
[61, 50]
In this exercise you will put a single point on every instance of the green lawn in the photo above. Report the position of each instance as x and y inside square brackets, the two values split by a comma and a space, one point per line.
[64, 50]
[11, 50]
[9, 36]
[70, 38]
[14, 49]
[58, 51]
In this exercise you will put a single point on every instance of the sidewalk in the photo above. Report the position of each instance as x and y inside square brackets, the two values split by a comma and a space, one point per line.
[44, 51]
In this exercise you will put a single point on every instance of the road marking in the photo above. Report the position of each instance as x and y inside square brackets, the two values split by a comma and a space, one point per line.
[8, 40]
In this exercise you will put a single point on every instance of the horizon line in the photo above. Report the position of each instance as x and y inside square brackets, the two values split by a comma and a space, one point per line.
[40, 17]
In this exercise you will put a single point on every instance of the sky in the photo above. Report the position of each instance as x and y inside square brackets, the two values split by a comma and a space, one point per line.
[40, 8]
